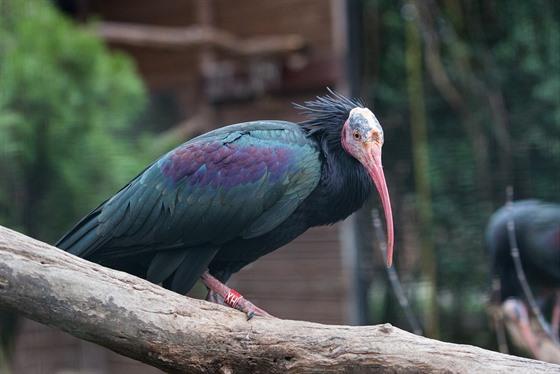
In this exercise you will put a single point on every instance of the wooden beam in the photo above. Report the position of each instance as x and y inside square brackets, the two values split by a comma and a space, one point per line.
[199, 36]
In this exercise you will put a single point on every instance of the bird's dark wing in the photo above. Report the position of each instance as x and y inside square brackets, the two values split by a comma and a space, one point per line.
[238, 181]
[540, 232]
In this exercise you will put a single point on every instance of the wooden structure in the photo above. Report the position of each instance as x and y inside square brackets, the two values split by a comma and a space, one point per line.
[209, 63]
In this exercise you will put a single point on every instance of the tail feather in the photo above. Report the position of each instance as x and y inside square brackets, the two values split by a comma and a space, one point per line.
[191, 268]
[83, 238]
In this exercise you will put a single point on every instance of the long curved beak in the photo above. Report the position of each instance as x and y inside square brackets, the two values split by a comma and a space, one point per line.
[375, 170]
[516, 313]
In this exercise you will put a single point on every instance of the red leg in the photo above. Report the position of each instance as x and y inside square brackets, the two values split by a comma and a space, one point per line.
[231, 297]
[555, 320]
[214, 298]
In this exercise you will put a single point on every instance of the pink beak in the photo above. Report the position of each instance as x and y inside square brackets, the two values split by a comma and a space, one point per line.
[375, 170]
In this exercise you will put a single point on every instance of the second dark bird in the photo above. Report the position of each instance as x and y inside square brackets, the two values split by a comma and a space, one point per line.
[223, 199]
[537, 233]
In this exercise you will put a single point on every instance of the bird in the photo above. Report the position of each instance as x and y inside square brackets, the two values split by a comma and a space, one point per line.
[537, 232]
[223, 199]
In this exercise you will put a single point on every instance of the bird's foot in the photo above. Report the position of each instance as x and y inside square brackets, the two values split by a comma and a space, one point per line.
[235, 300]
[230, 297]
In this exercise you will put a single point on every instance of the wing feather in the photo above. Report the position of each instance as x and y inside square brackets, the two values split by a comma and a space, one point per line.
[242, 180]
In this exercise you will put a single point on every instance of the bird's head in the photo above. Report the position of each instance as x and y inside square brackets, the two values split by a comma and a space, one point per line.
[362, 138]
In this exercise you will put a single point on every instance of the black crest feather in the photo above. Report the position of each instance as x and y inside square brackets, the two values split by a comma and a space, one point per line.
[328, 112]
[326, 116]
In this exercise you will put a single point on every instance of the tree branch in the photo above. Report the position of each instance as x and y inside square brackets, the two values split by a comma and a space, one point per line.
[178, 334]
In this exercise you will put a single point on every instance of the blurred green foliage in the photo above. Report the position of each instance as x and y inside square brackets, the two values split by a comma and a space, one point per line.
[491, 78]
[66, 108]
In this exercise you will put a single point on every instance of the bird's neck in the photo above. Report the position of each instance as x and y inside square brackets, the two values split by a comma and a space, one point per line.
[353, 183]
[345, 181]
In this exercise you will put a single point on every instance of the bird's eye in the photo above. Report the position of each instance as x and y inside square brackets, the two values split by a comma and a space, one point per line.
[357, 135]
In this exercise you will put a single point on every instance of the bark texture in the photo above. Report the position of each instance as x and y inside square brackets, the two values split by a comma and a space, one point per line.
[177, 334]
